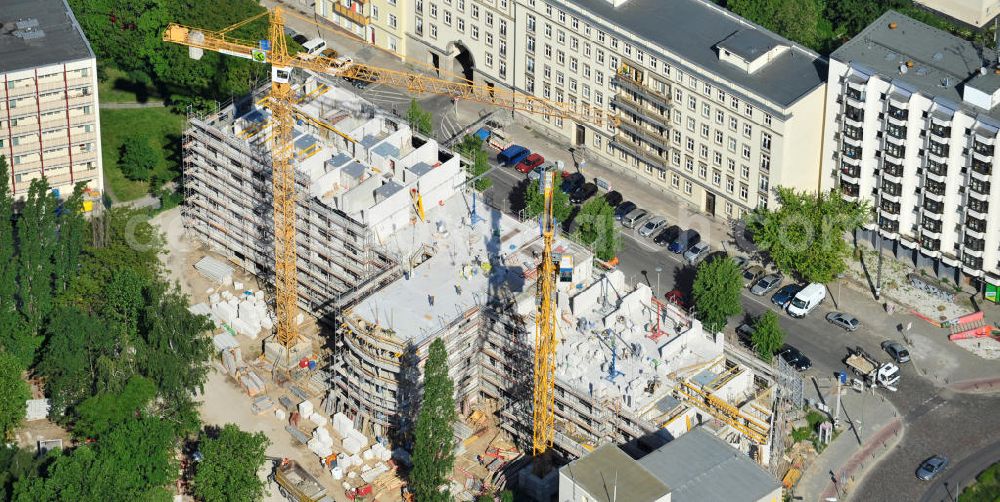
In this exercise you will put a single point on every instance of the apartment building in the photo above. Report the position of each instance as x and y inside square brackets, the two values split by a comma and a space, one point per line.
[381, 23]
[714, 109]
[49, 122]
[975, 13]
[912, 129]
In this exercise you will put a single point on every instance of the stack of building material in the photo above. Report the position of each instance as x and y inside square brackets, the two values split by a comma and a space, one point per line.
[368, 474]
[354, 442]
[342, 425]
[306, 409]
[261, 405]
[37, 409]
[321, 443]
[215, 270]
[252, 383]
[380, 452]
[224, 341]
[232, 361]
[200, 309]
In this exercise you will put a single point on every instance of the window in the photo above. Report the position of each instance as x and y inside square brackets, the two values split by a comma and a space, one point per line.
[748, 110]
[561, 37]
[434, 31]
[489, 60]
[746, 152]
[597, 140]
[716, 177]
[628, 49]
[706, 110]
[461, 4]
[561, 57]
[546, 93]
[720, 117]
[675, 180]
[434, 10]
[562, 17]
[690, 124]
[586, 91]
[614, 43]
[548, 51]
[703, 151]
[600, 56]
[547, 72]
[574, 43]
[732, 145]
[704, 131]
[765, 142]
[767, 119]
[745, 171]
[687, 187]
[531, 23]
[689, 164]
[575, 23]
[530, 46]
[503, 28]
[762, 201]
[419, 27]
[702, 170]
[747, 130]
[586, 49]
[718, 137]
[503, 48]
[489, 39]
[717, 158]
[529, 84]
[732, 165]
[586, 71]
[503, 68]
[613, 63]
[475, 32]
[560, 78]
[744, 191]
[677, 137]
[764, 184]
[375, 12]
[393, 22]
[729, 209]
[572, 85]
[475, 11]
[489, 19]
[598, 98]
[734, 102]
[447, 17]
[692, 103]
[765, 162]
[573, 65]
[676, 158]
[730, 184]
[600, 36]
[733, 123]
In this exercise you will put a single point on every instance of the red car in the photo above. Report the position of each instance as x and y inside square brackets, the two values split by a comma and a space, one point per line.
[677, 298]
[529, 163]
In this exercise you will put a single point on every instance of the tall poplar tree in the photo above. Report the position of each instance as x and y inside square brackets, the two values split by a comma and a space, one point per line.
[434, 448]
[36, 232]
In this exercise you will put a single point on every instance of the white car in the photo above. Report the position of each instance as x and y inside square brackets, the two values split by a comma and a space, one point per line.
[695, 253]
[655, 223]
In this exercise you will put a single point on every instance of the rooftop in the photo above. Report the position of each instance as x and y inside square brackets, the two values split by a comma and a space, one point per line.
[609, 474]
[700, 467]
[56, 37]
[692, 29]
[923, 59]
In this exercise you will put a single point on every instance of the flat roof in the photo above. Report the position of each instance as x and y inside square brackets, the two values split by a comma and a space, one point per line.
[608, 474]
[940, 63]
[56, 39]
[692, 29]
[700, 467]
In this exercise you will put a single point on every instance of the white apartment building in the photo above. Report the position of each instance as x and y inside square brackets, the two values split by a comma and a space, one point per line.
[972, 12]
[912, 129]
[714, 109]
[49, 123]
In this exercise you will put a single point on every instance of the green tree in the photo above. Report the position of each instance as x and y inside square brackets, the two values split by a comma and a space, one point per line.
[104, 412]
[797, 20]
[535, 202]
[76, 340]
[124, 33]
[717, 288]
[228, 470]
[14, 394]
[419, 119]
[472, 148]
[16, 336]
[768, 336]
[806, 234]
[597, 228]
[434, 446]
[36, 231]
[137, 158]
[72, 229]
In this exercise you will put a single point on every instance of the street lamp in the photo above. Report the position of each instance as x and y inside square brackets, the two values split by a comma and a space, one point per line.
[658, 270]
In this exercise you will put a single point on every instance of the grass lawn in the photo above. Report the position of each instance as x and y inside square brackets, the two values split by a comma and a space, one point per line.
[119, 88]
[161, 127]
[986, 488]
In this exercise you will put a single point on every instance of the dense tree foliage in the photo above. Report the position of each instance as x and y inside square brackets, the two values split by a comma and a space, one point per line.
[137, 158]
[471, 148]
[229, 465]
[806, 234]
[535, 203]
[717, 289]
[14, 394]
[420, 120]
[597, 228]
[768, 336]
[434, 446]
[798, 20]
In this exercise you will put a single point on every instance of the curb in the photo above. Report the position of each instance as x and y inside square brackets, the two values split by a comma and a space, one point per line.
[977, 385]
[853, 471]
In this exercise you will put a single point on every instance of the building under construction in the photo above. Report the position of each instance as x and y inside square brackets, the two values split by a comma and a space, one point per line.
[395, 252]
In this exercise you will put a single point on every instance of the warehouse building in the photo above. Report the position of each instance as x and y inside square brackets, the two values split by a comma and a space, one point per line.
[49, 121]
[913, 127]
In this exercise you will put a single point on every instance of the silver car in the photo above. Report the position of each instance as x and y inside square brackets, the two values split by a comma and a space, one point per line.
[655, 223]
[931, 467]
[846, 321]
[896, 351]
[695, 253]
[765, 284]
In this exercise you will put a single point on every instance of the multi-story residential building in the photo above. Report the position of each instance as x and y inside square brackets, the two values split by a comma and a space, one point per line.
[381, 23]
[714, 109]
[912, 129]
[48, 103]
[972, 12]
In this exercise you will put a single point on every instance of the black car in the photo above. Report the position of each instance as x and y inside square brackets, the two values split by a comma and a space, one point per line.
[684, 241]
[583, 193]
[572, 183]
[300, 38]
[624, 208]
[794, 358]
[613, 198]
[667, 235]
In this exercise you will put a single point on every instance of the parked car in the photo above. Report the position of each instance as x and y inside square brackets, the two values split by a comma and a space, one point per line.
[765, 284]
[623, 209]
[785, 294]
[513, 154]
[744, 332]
[806, 300]
[652, 225]
[751, 274]
[846, 321]
[300, 38]
[583, 193]
[634, 217]
[695, 253]
[931, 467]
[314, 46]
[684, 241]
[529, 163]
[536, 173]
[613, 198]
[572, 183]
[896, 351]
[677, 298]
[356, 83]
[794, 358]
[667, 235]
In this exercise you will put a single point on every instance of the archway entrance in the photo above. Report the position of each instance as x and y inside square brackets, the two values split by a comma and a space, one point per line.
[463, 64]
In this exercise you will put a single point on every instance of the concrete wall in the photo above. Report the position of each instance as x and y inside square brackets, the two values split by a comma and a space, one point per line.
[973, 12]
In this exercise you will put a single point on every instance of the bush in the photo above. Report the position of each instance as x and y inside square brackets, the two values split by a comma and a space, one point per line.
[136, 158]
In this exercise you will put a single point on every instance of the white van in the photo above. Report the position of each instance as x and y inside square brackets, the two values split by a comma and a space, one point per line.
[314, 46]
[806, 300]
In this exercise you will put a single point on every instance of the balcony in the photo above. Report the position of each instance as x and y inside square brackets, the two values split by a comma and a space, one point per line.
[853, 116]
[850, 174]
[892, 172]
[849, 191]
[977, 211]
[982, 157]
[933, 232]
[630, 79]
[980, 192]
[628, 102]
[354, 17]
[940, 133]
[973, 232]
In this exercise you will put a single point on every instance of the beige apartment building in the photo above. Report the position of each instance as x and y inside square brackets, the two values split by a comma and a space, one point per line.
[381, 23]
[49, 123]
[972, 12]
[714, 109]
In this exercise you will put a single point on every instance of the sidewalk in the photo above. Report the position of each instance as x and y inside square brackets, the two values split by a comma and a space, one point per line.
[869, 427]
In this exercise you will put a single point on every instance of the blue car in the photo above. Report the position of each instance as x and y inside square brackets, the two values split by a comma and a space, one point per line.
[684, 241]
[785, 294]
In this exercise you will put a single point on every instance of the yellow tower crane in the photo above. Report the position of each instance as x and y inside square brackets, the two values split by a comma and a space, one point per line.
[282, 105]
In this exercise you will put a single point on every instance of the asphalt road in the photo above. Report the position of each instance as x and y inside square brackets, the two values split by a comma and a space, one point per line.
[950, 484]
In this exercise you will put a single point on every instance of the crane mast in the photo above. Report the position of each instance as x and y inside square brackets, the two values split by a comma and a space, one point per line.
[545, 329]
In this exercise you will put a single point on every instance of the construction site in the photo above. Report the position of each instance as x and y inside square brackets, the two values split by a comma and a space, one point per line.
[394, 250]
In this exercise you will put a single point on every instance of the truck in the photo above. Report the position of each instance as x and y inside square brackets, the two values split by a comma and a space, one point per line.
[874, 372]
[296, 484]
